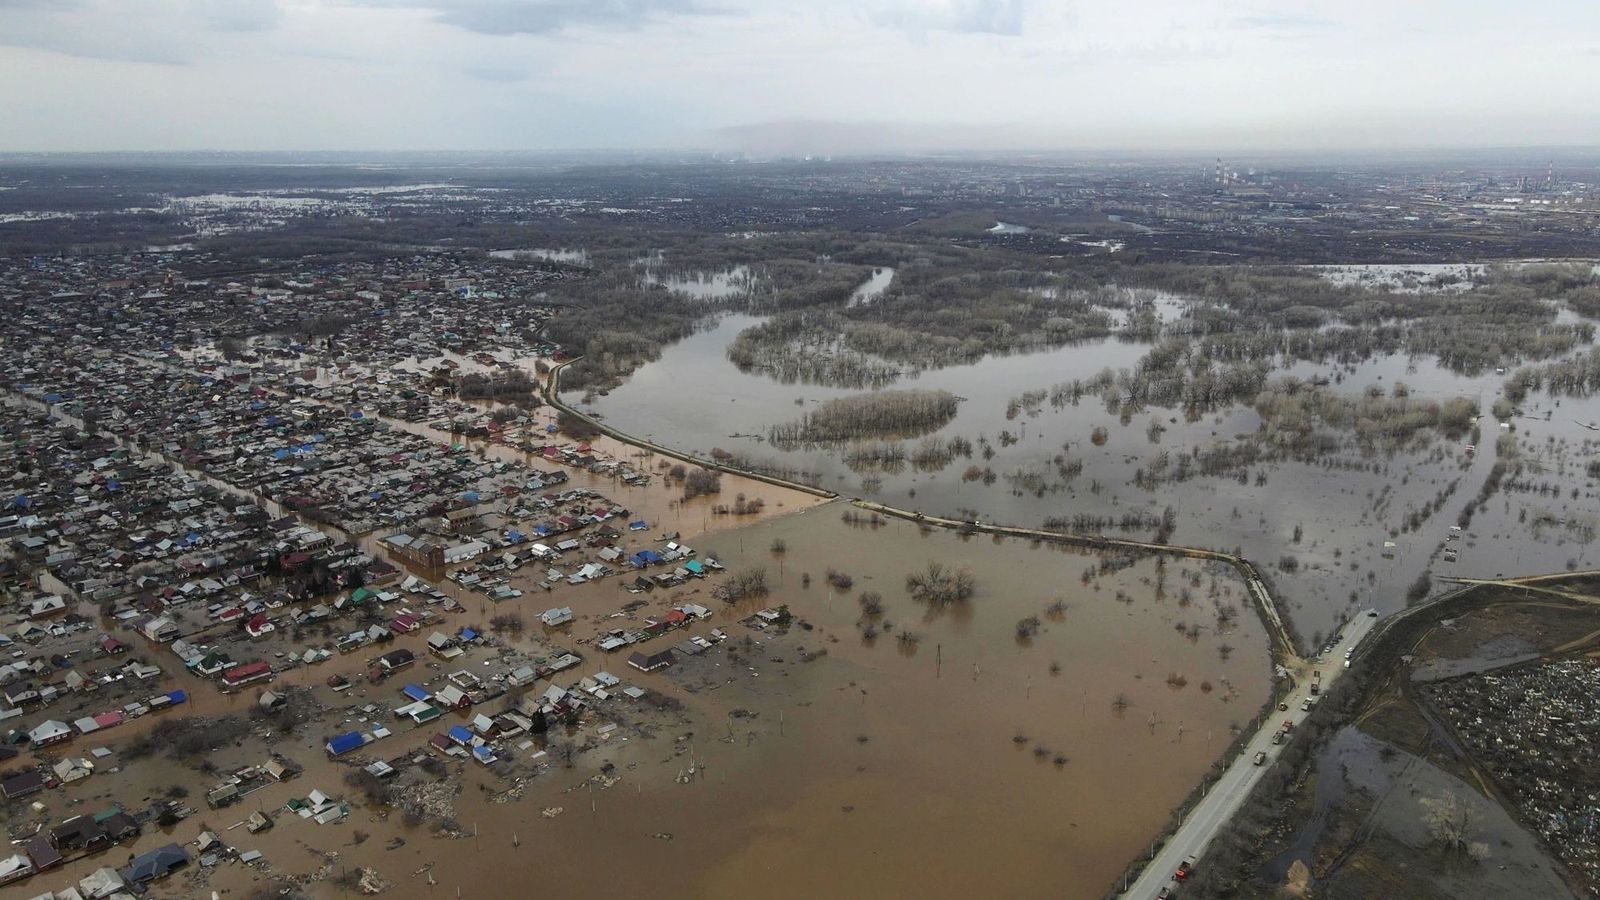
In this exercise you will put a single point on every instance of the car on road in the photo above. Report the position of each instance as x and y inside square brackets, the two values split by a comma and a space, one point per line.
[1307, 703]
[1261, 757]
[1372, 614]
[1166, 893]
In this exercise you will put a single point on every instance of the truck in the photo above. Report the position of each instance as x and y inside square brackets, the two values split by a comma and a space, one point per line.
[1316, 682]
[1186, 868]
[1283, 732]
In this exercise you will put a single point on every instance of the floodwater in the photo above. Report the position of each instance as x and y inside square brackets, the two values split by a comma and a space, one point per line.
[1392, 788]
[733, 282]
[1346, 507]
[1008, 228]
[1405, 277]
[873, 288]
[897, 763]
[575, 255]
[879, 768]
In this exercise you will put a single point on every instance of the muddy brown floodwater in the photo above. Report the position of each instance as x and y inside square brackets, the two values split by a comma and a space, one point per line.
[878, 768]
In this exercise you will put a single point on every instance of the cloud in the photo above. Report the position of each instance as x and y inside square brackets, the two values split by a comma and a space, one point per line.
[1001, 17]
[542, 17]
[167, 32]
[240, 15]
[496, 75]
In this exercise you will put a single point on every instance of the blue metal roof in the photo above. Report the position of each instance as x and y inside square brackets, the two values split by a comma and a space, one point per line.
[343, 743]
[155, 864]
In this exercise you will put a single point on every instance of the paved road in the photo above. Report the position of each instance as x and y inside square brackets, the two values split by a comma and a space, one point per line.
[1230, 791]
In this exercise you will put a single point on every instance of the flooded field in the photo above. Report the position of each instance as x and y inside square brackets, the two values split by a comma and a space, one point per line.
[1368, 826]
[833, 758]
[1322, 524]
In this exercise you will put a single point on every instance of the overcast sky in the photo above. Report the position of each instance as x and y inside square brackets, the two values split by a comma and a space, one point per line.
[796, 75]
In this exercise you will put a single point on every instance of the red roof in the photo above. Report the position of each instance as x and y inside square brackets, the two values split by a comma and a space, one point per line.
[248, 670]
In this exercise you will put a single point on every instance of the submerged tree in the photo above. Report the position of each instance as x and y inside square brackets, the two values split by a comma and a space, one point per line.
[939, 586]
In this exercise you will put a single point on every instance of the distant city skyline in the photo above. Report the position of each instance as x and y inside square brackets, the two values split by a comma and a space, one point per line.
[823, 77]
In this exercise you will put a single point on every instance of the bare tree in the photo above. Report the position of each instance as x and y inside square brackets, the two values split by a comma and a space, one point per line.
[1451, 822]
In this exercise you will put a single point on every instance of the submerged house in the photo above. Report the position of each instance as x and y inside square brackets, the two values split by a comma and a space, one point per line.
[651, 662]
[155, 865]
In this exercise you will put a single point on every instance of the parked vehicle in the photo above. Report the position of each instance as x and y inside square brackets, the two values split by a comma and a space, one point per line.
[1186, 868]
